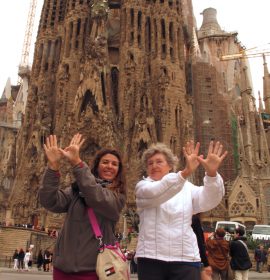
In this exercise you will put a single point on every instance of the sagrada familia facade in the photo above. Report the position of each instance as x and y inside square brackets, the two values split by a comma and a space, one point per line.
[126, 74]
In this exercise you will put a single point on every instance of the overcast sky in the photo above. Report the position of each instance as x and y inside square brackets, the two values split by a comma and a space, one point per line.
[250, 18]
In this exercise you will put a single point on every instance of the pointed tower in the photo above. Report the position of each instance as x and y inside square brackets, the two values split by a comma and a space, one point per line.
[266, 86]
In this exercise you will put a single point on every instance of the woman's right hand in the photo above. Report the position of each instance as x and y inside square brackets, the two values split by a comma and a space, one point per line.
[191, 155]
[52, 152]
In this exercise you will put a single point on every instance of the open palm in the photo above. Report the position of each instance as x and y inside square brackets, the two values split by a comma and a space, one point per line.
[214, 158]
[72, 152]
[191, 155]
[52, 152]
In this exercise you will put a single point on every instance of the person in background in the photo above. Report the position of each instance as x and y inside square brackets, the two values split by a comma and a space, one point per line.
[240, 261]
[268, 260]
[260, 256]
[218, 254]
[21, 258]
[40, 260]
[167, 246]
[206, 270]
[26, 259]
[16, 260]
[102, 189]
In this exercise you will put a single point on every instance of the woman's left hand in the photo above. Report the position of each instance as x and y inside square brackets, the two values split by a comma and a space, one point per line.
[72, 152]
[214, 158]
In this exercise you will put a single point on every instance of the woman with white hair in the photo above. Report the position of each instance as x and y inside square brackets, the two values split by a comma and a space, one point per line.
[167, 246]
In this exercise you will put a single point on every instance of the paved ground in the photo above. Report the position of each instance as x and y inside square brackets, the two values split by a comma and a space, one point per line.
[9, 274]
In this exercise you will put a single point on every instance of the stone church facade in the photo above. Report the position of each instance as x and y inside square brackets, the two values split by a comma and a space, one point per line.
[127, 74]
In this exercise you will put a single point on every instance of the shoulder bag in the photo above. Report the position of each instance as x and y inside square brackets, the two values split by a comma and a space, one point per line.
[111, 262]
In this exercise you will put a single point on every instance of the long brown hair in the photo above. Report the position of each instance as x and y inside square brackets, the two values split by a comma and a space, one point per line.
[120, 178]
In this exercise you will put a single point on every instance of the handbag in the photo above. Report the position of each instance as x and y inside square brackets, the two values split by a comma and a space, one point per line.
[111, 262]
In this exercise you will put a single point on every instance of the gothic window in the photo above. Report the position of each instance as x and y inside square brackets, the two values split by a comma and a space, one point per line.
[47, 55]
[163, 54]
[241, 198]
[148, 34]
[89, 100]
[69, 39]
[249, 209]
[58, 45]
[163, 29]
[39, 57]
[73, 4]
[103, 87]
[179, 45]
[172, 54]
[132, 17]
[61, 10]
[156, 36]
[171, 32]
[78, 27]
[124, 19]
[178, 6]
[139, 20]
[78, 30]
[170, 3]
[235, 209]
[115, 79]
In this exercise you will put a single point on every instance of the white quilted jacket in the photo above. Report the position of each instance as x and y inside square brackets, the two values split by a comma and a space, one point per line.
[165, 208]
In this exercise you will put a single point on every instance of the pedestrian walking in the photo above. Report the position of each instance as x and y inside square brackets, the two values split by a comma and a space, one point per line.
[16, 260]
[21, 259]
[240, 261]
[218, 254]
[40, 260]
[26, 259]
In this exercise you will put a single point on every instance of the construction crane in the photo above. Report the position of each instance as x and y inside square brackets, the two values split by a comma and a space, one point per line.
[24, 67]
[249, 53]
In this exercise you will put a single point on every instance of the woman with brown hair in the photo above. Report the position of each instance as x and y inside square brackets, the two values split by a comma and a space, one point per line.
[102, 189]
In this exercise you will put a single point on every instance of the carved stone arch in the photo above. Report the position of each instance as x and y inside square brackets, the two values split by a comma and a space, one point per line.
[89, 150]
[142, 146]
[88, 100]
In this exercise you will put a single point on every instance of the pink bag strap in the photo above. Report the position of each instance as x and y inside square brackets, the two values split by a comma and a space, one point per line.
[94, 223]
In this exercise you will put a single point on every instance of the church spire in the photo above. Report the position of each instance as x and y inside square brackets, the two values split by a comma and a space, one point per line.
[266, 86]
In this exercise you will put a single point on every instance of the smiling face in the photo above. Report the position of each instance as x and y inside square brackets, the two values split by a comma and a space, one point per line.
[157, 166]
[108, 167]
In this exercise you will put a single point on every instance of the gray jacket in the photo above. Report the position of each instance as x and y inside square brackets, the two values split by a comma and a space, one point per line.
[76, 247]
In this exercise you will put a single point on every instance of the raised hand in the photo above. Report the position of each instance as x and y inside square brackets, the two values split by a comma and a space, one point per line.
[72, 152]
[214, 158]
[191, 155]
[52, 152]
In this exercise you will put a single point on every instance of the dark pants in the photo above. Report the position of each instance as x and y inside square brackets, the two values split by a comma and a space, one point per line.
[150, 269]
[60, 275]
